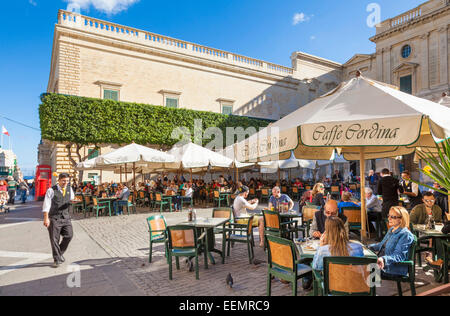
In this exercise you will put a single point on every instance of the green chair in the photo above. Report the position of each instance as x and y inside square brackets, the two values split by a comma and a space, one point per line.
[422, 245]
[410, 278]
[308, 213]
[159, 200]
[295, 193]
[184, 242]
[265, 195]
[283, 263]
[157, 228]
[348, 276]
[190, 202]
[78, 206]
[142, 199]
[446, 245]
[131, 205]
[219, 198]
[224, 212]
[245, 236]
[274, 226]
[99, 207]
[87, 199]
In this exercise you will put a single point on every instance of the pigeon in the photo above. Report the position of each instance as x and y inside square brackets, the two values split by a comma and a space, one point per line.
[229, 281]
[257, 262]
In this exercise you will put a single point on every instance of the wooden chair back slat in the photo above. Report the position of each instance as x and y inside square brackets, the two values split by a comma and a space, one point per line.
[221, 213]
[308, 188]
[264, 191]
[294, 190]
[272, 221]
[281, 255]
[158, 197]
[157, 224]
[308, 213]
[216, 194]
[284, 189]
[335, 189]
[182, 238]
[348, 278]
[353, 216]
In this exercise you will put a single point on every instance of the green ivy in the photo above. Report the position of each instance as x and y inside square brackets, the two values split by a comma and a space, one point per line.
[87, 121]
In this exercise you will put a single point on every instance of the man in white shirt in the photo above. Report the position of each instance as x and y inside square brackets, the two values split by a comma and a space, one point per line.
[240, 207]
[56, 217]
[410, 189]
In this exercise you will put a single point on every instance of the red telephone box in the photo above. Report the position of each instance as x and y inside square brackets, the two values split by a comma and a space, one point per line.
[43, 181]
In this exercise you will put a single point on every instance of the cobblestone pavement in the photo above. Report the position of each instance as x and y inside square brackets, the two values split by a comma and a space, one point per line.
[126, 238]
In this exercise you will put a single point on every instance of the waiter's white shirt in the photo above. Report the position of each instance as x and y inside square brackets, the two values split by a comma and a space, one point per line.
[414, 187]
[51, 194]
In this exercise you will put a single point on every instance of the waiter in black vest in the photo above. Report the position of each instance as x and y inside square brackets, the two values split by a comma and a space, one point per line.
[410, 189]
[56, 217]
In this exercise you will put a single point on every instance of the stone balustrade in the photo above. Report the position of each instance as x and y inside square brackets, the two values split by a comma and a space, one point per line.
[406, 17]
[92, 25]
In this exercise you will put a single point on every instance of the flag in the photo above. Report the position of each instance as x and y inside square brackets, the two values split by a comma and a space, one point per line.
[4, 131]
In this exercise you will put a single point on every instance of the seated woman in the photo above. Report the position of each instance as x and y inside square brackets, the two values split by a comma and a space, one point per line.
[346, 201]
[396, 244]
[317, 195]
[335, 243]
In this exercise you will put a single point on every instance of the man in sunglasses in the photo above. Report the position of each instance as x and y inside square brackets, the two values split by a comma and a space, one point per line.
[421, 212]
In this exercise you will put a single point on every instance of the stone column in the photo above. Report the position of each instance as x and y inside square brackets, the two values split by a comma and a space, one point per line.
[425, 61]
[388, 70]
[443, 52]
[380, 64]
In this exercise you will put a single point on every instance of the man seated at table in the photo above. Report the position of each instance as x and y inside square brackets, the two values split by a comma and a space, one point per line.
[330, 210]
[240, 207]
[373, 206]
[421, 212]
[122, 199]
[277, 200]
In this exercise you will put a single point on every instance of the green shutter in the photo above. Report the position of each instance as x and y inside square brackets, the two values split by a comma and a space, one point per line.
[227, 109]
[172, 103]
[93, 153]
[406, 84]
[111, 95]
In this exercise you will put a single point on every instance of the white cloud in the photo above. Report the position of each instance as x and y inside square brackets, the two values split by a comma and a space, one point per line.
[32, 3]
[300, 17]
[106, 6]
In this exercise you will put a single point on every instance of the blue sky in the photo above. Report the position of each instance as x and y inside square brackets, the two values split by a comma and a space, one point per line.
[262, 29]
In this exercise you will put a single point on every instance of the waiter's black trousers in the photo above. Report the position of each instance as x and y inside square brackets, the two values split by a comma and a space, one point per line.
[387, 205]
[60, 228]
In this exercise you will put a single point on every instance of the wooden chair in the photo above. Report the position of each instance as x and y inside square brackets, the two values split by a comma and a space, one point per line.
[245, 236]
[274, 226]
[335, 192]
[348, 276]
[184, 242]
[157, 228]
[99, 207]
[252, 193]
[161, 202]
[190, 202]
[79, 205]
[284, 190]
[265, 195]
[308, 213]
[142, 199]
[131, 205]
[353, 215]
[295, 193]
[218, 198]
[283, 263]
[410, 277]
[308, 188]
[224, 212]
[87, 204]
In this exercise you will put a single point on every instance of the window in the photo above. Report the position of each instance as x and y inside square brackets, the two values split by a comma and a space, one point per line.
[406, 51]
[172, 103]
[111, 95]
[93, 153]
[227, 109]
[406, 84]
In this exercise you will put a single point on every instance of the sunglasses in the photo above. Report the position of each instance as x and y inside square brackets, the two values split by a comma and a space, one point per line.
[429, 201]
[394, 217]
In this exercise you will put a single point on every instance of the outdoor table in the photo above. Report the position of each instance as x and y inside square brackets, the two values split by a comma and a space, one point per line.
[208, 224]
[437, 237]
[109, 200]
[306, 253]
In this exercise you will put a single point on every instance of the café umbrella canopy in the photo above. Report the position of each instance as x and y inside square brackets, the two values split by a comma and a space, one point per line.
[360, 119]
[194, 158]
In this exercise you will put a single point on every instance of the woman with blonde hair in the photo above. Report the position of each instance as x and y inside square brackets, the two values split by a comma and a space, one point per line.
[317, 195]
[335, 243]
[396, 244]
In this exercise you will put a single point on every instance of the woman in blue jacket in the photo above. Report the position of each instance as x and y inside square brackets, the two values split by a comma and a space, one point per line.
[396, 244]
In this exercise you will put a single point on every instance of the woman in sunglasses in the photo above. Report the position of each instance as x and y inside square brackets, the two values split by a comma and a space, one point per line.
[396, 244]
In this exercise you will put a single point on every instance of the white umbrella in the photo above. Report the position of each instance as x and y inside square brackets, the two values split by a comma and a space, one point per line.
[192, 156]
[361, 119]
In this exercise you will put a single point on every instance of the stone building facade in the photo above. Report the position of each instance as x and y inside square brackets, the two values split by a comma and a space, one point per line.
[95, 58]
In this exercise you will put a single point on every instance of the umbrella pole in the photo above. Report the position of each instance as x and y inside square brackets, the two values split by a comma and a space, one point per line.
[120, 174]
[134, 175]
[363, 194]
[126, 174]
[191, 175]
[237, 175]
